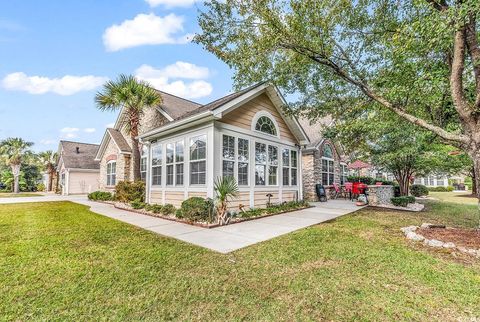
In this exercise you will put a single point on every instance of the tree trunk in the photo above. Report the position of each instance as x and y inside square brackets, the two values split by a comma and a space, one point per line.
[474, 185]
[16, 178]
[476, 179]
[403, 179]
[135, 159]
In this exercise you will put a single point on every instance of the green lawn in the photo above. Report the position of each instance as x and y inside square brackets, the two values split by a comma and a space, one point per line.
[457, 197]
[15, 195]
[59, 261]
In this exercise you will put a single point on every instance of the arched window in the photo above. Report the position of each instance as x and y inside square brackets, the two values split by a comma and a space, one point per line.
[265, 124]
[327, 151]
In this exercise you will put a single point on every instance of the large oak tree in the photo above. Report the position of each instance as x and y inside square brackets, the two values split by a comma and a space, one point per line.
[419, 59]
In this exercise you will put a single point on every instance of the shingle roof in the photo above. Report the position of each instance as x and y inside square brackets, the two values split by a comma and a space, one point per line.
[218, 102]
[176, 106]
[314, 129]
[119, 140]
[84, 159]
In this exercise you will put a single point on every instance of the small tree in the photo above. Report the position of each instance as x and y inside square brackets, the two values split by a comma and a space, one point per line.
[12, 152]
[132, 97]
[48, 160]
[226, 188]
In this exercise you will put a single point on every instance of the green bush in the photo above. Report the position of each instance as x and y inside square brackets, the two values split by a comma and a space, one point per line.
[195, 209]
[179, 213]
[411, 199]
[126, 191]
[168, 209]
[40, 187]
[155, 208]
[137, 204]
[252, 213]
[418, 190]
[441, 189]
[100, 195]
[370, 180]
[400, 201]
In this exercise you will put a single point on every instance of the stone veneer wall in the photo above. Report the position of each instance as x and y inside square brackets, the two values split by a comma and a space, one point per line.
[380, 195]
[110, 152]
[312, 170]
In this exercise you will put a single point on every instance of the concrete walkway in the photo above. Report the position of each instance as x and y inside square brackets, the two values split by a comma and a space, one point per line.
[222, 239]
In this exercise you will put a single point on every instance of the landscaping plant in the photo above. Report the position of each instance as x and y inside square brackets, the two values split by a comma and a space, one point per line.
[12, 152]
[419, 190]
[100, 196]
[127, 191]
[226, 188]
[194, 209]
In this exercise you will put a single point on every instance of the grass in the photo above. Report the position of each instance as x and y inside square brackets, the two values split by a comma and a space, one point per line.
[59, 261]
[457, 197]
[16, 195]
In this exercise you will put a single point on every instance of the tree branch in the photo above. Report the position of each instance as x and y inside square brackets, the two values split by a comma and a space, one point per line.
[452, 138]
[474, 52]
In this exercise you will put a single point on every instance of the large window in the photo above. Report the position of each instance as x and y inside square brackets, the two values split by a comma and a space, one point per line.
[265, 124]
[169, 164]
[228, 155]
[327, 151]
[143, 164]
[243, 162]
[260, 163]
[272, 165]
[343, 173]
[179, 159]
[111, 173]
[289, 167]
[157, 165]
[294, 165]
[198, 163]
[328, 172]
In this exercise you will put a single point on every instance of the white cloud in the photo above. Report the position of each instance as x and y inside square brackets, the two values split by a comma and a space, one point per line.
[89, 130]
[67, 85]
[145, 29]
[171, 3]
[69, 132]
[162, 79]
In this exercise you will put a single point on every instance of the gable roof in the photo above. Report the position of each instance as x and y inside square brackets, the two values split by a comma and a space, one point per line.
[227, 103]
[119, 140]
[314, 129]
[78, 155]
[175, 106]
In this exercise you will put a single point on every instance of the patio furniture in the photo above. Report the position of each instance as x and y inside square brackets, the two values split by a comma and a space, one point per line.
[347, 190]
[334, 191]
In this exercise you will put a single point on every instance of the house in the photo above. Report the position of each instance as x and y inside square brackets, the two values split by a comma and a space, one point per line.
[323, 161]
[186, 146]
[77, 170]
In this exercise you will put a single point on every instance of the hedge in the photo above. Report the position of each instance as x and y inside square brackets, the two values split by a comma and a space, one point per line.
[126, 191]
[400, 201]
[418, 190]
[441, 189]
[100, 195]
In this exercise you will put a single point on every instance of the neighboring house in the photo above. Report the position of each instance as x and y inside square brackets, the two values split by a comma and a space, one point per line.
[78, 172]
[246, 135]
[458, 182]
[323, 161]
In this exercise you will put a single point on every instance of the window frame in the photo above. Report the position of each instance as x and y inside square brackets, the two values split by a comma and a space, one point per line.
[111, 175]
[343, 173]
[159, 166]
[332, 172]
[197, 161]
[266, 114]
[144, 163]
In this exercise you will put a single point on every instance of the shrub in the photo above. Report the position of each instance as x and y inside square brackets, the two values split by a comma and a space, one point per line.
[441, 189]
[100, 195]
[400, 201]
[418, 190]
[126, 191]
[137, 204]
[40, 187]
[155, 208]
[411, 199]
[252, 213]
[195, 209]
[168, 209]
[179, 213]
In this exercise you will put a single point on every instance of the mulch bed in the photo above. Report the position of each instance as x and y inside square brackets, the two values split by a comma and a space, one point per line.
[469, 238]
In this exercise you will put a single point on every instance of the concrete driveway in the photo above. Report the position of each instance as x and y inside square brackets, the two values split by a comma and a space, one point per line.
[223, 239]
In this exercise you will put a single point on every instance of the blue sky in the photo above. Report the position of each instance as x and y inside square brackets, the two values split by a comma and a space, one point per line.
[56, 54]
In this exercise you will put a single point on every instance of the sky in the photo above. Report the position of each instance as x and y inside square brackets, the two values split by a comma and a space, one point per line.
[55, 55]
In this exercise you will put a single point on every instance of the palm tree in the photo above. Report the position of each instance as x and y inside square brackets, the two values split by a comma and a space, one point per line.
[13, 151]
[132, 97]
[48, 160]
[225, 188]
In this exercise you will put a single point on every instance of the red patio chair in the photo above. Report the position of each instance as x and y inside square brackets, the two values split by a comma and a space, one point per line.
[348, 190]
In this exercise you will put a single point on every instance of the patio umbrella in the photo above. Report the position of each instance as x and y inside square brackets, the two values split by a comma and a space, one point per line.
[358, 165]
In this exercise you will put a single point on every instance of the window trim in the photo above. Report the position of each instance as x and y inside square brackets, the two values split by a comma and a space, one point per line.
[343, 175]
[162, 156]
[114, 174]
[328, 172]
[260, 114]
[190, 161]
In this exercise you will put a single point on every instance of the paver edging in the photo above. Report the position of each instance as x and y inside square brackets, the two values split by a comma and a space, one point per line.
[143, 212]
